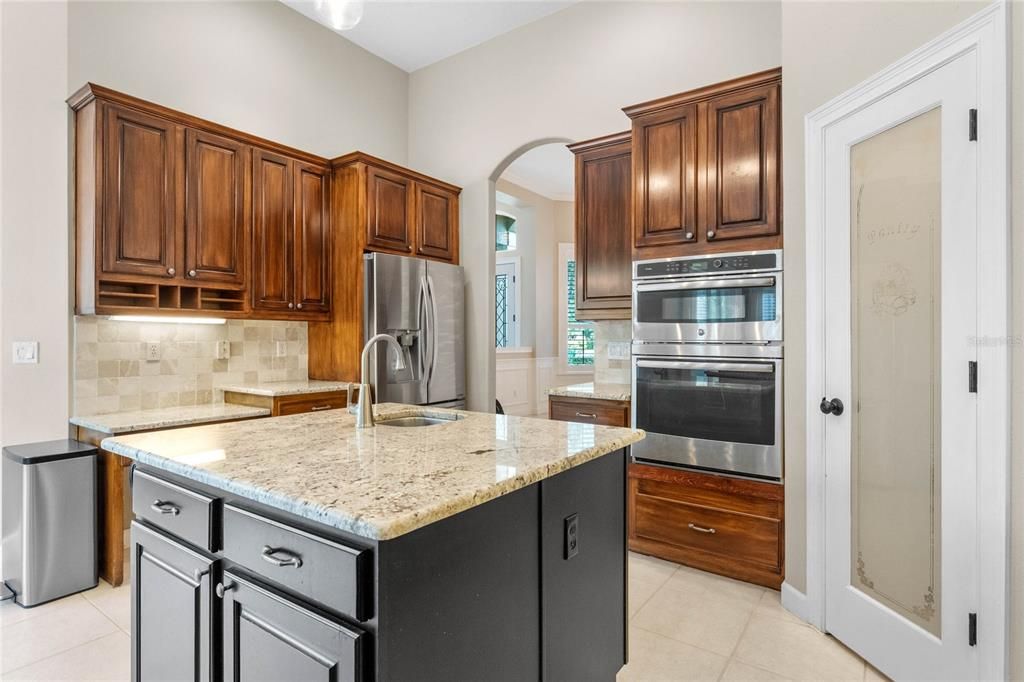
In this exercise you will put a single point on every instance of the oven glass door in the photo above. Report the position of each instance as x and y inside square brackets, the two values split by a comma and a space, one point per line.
[716, 309]
[720, 415]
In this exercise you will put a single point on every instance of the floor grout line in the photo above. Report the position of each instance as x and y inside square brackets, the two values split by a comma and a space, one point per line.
[61, 653]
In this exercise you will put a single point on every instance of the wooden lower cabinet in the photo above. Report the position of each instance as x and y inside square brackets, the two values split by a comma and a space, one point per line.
[284, 405]
[729, 526]
[588, 410]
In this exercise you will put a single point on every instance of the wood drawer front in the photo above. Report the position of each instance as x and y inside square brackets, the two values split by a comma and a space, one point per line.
[322, 570]
[311, 403]
[603, 412]
[736, 536]
[705, 497]
[182, 512]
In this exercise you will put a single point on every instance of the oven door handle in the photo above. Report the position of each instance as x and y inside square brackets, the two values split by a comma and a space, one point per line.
[710, 366]
[739, 283]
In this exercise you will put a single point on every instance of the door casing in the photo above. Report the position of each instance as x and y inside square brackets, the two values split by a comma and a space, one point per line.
[986, 34]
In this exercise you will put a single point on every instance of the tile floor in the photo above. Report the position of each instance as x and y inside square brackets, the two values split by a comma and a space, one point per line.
[684, 625]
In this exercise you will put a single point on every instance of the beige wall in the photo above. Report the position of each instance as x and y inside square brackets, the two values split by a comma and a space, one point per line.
[823, 54]
[256, 66]
[582, 65]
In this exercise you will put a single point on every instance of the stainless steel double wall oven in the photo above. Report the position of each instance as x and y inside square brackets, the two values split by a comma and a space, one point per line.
[707, 362]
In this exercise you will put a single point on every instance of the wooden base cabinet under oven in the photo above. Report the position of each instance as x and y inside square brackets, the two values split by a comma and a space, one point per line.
[729, 526]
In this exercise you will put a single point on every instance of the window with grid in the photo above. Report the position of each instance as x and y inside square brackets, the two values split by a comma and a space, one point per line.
[578, 337]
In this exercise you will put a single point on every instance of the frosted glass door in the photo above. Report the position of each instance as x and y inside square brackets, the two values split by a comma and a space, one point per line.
[896, 242]
[900, 306]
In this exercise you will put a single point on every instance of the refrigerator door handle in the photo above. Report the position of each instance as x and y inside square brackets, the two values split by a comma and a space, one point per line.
[421, 337]
[432, 327]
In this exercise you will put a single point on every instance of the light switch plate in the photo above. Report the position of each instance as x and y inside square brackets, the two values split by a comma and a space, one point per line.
[282, 349]
[618, 350]
[26, 352]
[222, 351]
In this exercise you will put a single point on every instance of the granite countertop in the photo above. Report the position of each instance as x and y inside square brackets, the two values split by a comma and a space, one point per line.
[166, 417]
[598, 391]
[378, 483]
[279, 388]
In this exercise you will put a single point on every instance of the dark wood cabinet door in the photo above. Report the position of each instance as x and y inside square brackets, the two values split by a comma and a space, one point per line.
[312, 238]
[273, 233]
[436, 217]
[140, 216]
[603, 235]
[389, 204]
[171, 609]
[215, 215]
[665, 177]
[743, 165]
[269, 637]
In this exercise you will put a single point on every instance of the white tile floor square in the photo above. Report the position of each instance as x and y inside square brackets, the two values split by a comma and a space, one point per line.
[684, 625]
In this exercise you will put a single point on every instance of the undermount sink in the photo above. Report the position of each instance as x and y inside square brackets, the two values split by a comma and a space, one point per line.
[416, 421]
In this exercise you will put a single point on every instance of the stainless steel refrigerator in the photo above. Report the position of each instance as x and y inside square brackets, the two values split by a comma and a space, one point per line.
[422, 304]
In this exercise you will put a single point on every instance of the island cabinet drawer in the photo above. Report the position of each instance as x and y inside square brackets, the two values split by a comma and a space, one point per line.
[322, 570]
[603, 412]
[182, 512]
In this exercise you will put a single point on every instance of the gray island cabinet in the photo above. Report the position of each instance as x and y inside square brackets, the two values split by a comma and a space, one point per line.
[397, 558]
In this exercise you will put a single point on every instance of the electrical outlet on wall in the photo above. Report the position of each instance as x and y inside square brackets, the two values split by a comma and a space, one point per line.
[281, 349]
[618, 350]
[152, 352]
[26, 353]
[222, 351]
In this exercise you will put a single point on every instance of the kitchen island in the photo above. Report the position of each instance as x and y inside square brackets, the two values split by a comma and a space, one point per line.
[480, 547]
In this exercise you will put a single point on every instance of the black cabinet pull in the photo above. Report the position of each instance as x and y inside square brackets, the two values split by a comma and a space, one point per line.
[834, 406]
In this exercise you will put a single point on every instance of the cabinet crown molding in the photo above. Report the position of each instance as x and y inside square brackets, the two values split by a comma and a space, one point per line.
[362, 157]
[91, 91]
[600, 142]
[706, 92]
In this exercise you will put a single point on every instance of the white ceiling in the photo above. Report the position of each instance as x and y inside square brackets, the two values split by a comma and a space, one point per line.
[548, 170]
[415, 34]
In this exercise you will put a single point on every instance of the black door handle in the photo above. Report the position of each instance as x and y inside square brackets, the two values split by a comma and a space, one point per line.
[834, 406]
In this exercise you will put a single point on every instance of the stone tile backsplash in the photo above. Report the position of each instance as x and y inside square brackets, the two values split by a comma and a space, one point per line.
[607, 371]
[112, 373]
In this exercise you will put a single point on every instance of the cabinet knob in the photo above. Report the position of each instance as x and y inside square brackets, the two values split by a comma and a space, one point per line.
[291, 305]
[192, 273]
[689, 235]
[171, 271]
[221, 588]
[711, 234]
[299, 306]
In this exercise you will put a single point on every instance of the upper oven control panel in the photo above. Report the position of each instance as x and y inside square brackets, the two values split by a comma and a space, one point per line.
[750, 261]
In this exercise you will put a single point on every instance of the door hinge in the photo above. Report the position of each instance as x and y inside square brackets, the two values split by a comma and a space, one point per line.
[972, 377]
[972, 126]
[972, 629]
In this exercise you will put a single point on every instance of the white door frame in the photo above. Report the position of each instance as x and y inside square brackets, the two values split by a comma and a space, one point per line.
[985, 33]
[517, 264]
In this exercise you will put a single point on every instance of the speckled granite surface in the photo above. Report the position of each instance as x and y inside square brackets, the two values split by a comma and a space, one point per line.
[377, 483]
[599, 391]
[279, 388]
[166, 417]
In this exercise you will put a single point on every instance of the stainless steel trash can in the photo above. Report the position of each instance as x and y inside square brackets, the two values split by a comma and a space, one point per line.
[49, 520]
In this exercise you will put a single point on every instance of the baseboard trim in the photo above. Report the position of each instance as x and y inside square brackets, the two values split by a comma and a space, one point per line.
[796, 602]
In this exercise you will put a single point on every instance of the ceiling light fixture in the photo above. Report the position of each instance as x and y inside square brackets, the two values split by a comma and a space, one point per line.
[168, 319]
[341, 15]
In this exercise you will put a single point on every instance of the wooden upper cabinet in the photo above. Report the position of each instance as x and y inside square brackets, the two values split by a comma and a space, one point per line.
[436, 220]
[273, 232]
[742, 164]
[603, 235]
[706, 169]
[389, 206]
[312, 238]
[140, 194]
[216, 224]
[665, 176]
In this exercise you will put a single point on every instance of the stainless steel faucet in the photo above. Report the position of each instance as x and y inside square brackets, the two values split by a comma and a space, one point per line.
[364, 404]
